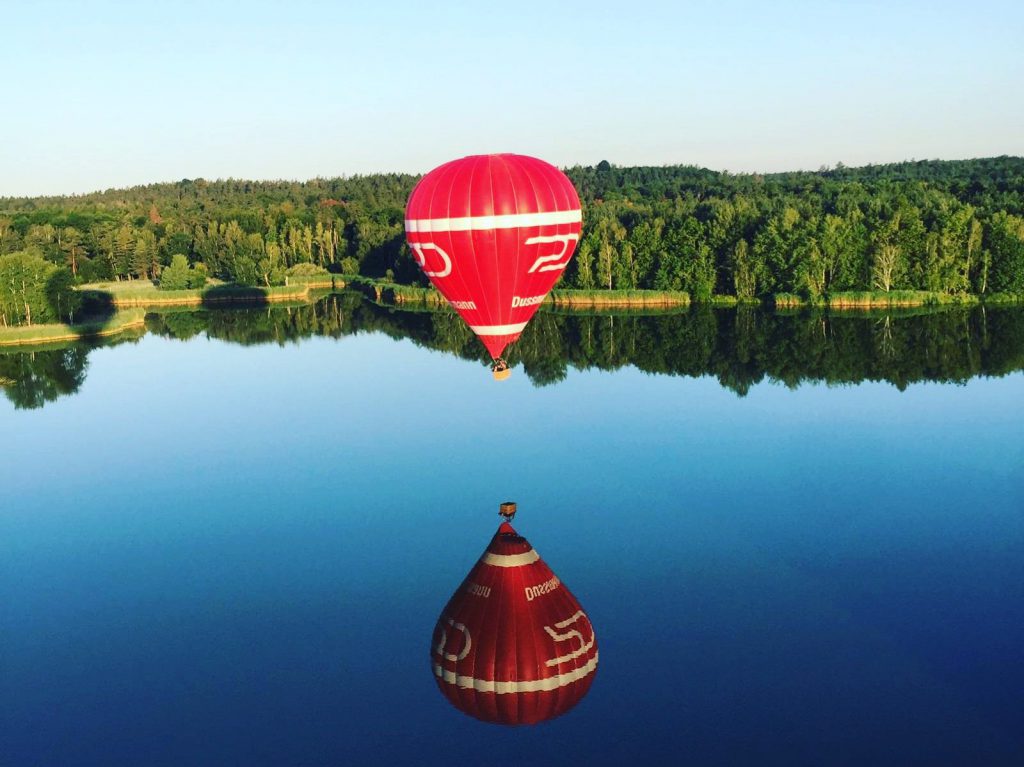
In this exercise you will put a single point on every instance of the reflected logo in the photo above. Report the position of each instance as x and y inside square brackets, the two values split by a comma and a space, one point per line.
[442, 646]
[532, 592]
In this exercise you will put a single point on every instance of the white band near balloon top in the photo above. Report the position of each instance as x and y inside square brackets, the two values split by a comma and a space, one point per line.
[504, 221]
[498, 330]
[510, 560]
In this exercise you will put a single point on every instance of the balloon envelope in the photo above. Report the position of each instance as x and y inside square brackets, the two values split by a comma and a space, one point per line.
[513, 645]
[494, 233]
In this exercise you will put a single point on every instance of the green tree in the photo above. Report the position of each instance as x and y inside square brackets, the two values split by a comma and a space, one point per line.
[1005, 240]
[122, 252]
[69, 240]
[744, 272]
[197, 275]
[145, 263]
[34, 290]
[9, 238]
[175, 276]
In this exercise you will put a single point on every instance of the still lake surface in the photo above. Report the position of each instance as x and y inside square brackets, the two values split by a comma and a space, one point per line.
[228, 541]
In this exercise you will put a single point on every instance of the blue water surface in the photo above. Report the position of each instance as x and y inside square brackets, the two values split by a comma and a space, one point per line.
[216, 554]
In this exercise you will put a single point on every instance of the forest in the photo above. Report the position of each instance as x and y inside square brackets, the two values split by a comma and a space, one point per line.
[952, 228]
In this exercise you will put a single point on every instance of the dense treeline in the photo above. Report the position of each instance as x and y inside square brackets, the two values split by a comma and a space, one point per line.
[740, 347]
[952, 227]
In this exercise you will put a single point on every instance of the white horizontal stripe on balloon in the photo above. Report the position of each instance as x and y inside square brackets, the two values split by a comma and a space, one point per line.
[497, 330]
[504, 221]
[532, 685]
[510, 560]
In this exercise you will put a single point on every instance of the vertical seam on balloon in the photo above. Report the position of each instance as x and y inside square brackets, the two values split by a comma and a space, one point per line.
[472, 245]
[430, 211]
[536, 199]
[564, 598]
[461, 270]
[478, 618]
[515, 641]
[537, 671]
[451, 178]
[519, 239]
[495, 250]
[498, 611]
[554, 705]
[556, 199]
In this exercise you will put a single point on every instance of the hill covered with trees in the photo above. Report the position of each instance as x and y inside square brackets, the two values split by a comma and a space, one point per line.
[948, 227]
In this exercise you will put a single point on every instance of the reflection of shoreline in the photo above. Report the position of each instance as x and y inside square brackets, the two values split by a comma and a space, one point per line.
[58, 333]
[739, 346]
[130, 301]
[308, 290]
[585, 300]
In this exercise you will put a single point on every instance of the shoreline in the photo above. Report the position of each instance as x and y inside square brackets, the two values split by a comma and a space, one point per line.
[397, 295]
[130, 309]
[142, 298]
[52, 333]
[851, 301]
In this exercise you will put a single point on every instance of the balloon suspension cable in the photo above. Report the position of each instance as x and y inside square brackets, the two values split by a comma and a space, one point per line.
[507, 510]
[499, 364]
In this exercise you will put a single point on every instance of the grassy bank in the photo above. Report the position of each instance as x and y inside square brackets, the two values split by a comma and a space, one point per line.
[410, 294]
[859, 300]
[390, 293]
[617, 299]
[1004, 298]
[582, 300]
[144, 294]
[27, 335]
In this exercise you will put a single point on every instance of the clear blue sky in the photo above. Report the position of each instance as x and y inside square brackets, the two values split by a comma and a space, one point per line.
[103, 94]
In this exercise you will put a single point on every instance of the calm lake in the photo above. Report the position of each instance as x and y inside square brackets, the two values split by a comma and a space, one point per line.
[800, 539]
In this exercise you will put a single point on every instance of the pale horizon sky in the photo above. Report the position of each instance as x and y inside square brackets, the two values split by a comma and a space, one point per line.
[114, 94]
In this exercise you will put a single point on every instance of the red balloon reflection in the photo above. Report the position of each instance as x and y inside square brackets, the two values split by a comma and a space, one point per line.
[513, 645]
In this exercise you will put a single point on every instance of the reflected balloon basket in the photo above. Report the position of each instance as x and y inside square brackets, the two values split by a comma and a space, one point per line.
[513, 646]
[500, 370]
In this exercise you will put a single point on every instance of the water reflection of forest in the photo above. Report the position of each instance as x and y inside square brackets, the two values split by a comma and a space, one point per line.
[740, 347]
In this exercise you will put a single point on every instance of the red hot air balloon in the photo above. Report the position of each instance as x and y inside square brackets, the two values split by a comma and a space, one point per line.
[494, 233]
[513, 646]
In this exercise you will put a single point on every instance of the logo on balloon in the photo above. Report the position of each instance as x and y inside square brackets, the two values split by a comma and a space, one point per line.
[506, 223]
[421, 258]
[566, 636]
[467, 642]
[555, 261]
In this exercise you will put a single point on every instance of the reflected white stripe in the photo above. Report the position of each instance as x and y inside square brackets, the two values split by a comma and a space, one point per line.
[533, 685]
[510, 560]
[497, 330]
[505, 221]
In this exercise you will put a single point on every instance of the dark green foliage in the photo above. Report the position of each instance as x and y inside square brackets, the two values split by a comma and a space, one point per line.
[1005, 243]
[30, 380]
[950, 227]
[178, 275]
[197, 275]
[175, 276]
[33, 290]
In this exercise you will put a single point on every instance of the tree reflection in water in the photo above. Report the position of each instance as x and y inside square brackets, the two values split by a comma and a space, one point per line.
[740, 347]
[31, 379]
